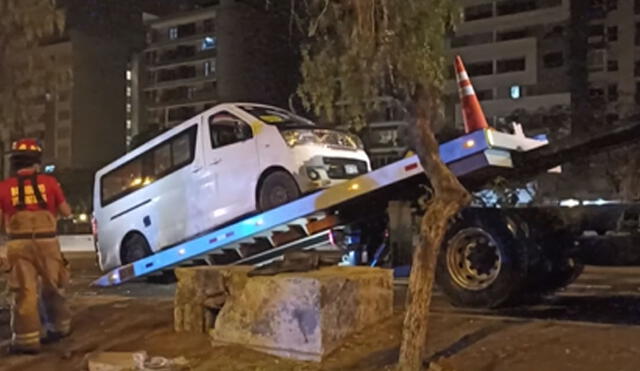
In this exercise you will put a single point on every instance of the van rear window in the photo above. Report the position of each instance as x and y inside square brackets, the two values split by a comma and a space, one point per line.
[151, 165]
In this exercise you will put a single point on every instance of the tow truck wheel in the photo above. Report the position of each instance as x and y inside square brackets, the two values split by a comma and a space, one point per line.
[482, 262]
[134, 247]
[276, 189]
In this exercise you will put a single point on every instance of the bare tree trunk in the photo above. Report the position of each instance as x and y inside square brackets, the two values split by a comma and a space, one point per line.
[449, 197]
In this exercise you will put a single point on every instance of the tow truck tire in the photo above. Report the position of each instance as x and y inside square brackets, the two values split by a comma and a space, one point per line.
[134, 247]
[277, 188]
[482, 263]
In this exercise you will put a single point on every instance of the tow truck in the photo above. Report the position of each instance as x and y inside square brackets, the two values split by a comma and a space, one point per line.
[490, 256]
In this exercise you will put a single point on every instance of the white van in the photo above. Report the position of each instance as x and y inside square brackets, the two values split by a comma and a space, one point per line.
[228, 162]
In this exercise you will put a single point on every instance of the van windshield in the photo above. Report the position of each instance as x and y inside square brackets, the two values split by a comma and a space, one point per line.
[280, 118]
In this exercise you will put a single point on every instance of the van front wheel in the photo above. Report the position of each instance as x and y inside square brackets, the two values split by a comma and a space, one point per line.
[276, 189]
[134, 247]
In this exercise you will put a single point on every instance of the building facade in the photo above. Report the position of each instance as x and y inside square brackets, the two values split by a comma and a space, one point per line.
[79, 94]
[516, 53]
[220, 52]
[559, 67]
[79, 87]
[176, 73]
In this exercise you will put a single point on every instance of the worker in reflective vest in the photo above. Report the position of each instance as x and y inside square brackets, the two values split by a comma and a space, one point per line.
[30, 204]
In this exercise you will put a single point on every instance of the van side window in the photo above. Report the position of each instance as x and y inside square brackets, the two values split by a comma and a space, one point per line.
[226, 129]
[181, 151]
[162, 159]
[151, 165]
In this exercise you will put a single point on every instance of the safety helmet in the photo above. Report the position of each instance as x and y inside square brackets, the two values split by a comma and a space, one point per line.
[27, 148]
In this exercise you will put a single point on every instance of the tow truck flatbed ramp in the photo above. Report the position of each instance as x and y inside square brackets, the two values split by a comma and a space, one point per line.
[469, 156]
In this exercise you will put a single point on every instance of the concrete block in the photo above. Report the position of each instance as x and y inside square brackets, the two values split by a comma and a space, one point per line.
[305, 316]
[201, 292]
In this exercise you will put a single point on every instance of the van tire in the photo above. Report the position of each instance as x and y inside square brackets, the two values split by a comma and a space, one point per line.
[134, 247]
[277, 188]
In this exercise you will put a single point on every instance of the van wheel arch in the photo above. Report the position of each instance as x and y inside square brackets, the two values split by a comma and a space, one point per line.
[266, 174]
[134, 246]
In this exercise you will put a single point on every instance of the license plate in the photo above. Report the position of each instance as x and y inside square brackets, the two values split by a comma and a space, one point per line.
[351, 169]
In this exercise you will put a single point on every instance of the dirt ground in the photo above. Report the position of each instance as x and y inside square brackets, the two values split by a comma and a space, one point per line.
[139, 317]
[126, 324]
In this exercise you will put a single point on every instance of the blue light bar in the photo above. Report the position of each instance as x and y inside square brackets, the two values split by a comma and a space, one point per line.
[464, 146]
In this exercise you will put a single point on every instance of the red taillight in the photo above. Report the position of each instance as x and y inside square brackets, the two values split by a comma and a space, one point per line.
[411, 167]
[94, 227]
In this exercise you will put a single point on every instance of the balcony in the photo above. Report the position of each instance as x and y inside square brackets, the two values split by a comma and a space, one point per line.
[180, 73]
[185, 97]
[177, 34]
[187, 55]
[519, 14]
[181, 113]
[181, 52]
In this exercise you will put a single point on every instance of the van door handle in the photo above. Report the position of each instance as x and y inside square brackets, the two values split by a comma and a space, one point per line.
[196, 170]
[216, 161]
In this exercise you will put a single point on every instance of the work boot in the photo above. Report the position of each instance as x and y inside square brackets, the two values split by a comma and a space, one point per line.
[53, 337]
[24, 350]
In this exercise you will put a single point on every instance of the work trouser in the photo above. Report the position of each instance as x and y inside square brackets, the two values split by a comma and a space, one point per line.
[37, 271]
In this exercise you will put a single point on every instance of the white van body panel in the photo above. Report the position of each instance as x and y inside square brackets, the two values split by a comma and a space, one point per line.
[217, 186]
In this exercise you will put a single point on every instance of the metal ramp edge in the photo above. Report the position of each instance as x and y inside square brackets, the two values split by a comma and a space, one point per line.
[265, 222]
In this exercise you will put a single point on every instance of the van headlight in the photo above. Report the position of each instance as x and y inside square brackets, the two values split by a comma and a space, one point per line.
[357, 141]
[299, 137]
[332, 138]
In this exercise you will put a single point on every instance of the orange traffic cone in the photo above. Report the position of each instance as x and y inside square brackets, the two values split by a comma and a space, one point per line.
[472, 113]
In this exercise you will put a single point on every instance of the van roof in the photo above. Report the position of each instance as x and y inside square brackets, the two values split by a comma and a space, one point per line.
[174, 130]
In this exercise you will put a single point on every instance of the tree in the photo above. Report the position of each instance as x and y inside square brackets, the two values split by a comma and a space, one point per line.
[24, 24]
[354, 51]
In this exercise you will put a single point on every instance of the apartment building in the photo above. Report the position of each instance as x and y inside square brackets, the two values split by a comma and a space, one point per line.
[516, 52]
[177, 71]
[217, 52]
[79, 87]
[614, 57]
[52, 104]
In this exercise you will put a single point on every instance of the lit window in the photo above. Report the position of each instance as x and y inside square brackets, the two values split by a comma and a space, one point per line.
[207, 68]
[128, 91]
[515, 92]
[173, 33]
[128, 74]
[208, 43]
[128, 108]
[128, 124]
